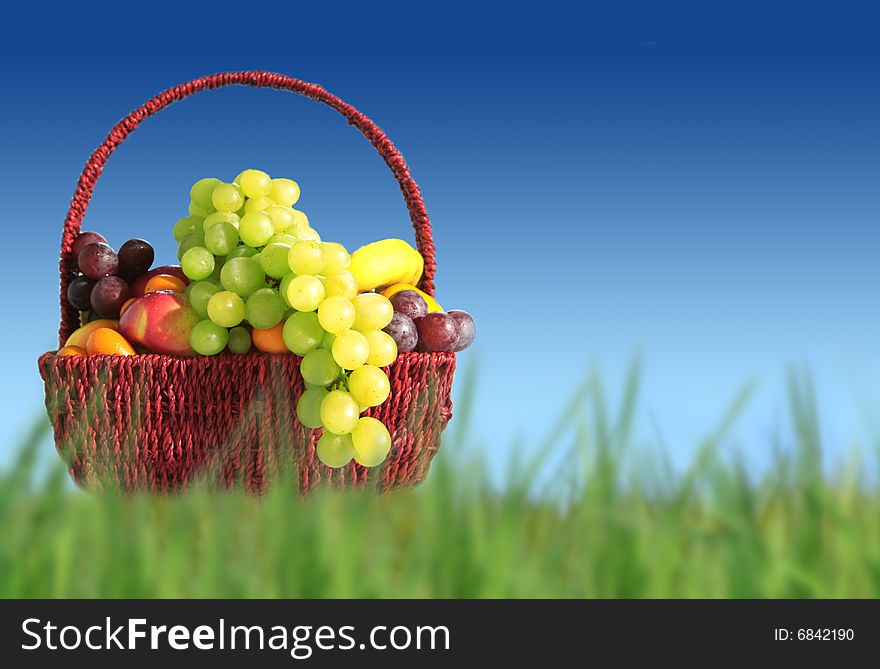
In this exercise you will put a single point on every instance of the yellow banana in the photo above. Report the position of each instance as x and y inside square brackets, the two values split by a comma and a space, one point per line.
[386, 262]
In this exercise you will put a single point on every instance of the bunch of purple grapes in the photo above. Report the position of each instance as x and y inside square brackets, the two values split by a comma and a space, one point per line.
[102, 283]
[413, 328]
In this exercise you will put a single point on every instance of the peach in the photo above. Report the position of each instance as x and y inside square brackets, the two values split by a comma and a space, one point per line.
[139, 284]
[81, 335]
[160, 322]
[104, 341]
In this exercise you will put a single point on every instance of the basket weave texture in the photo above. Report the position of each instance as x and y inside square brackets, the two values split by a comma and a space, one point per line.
[158, 423]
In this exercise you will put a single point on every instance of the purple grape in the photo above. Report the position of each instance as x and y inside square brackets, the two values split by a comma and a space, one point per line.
[467, 329]
[410, 303]
[79, 293]
[98, 260]
[403, 332]
[108, 296]
[437, 332]
[82, 240]
[135, 258]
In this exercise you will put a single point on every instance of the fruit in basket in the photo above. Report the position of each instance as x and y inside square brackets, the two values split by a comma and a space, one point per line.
[467, 329]
[350, 350]
[432, 304]
[306, 257]
[97, 260]
[197, 263]
[80, 336]
[302, 332]
[403, 330]
[383, 348]
[264, 309]
[308, 407]
[239, 340]
[437, 332]
[284, 191]
[410, 303]
[242, 276]
[305, 292]
[105, 341]
[108, 296]
[227, 197]
[165, 282]
[82, 240]
[202, 191]
[254, 183]
[79, 293]
[371, 442]
[226, 309]
[269, 340]
[135, 257]
[385, 263]
[344, 284]
[336, 314]
[369, 386]
[71, 350]
[339, 412]
[160, 322]
[372, 311]
[256, 228]
[319, 368]
[335, 450]
[273, 259]
[208, 338]
[138, 285]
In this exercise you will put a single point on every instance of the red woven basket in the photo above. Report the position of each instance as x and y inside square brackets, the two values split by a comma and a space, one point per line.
[159, 422]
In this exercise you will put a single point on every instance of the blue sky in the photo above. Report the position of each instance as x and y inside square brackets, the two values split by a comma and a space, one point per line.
[703, 191]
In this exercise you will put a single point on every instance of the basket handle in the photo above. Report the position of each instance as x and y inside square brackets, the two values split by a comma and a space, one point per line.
[95, 165]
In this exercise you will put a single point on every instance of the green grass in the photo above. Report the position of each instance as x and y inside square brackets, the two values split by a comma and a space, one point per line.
[605, 521]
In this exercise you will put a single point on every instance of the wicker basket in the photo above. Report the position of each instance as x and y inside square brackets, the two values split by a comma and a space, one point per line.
[157, 422]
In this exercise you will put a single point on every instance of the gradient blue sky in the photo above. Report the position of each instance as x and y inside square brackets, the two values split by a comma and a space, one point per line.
[701, 188]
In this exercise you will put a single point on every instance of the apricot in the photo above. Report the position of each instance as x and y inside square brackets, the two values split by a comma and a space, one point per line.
[270, 340]
[71, 350]
[81, 335]
[164, 282]
[104, 341]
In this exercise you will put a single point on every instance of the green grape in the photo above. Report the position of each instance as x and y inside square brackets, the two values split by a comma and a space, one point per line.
[318, 367]
[369, 386]
[199, 294]
[300, 220]
[226, 308]
[302, 332]
[264, 309]
[221, 238]
[305, 293]
[242, 276]
[237, 179]
[335, 258]
[307, 234]
[336, 314]
[284, 238]
[186, 226]
[202, 192]
[239, 340]
[335, 450]
[306, 258]
[199, 211]
[241, 251]
[282, 217]
[284, 285]
[190, 242]
[227, 197]
[350, 349]
[339, 412]
[383, 348]
[308, 408]
[208, 338]
[256, 228]
[219, 261]
[273, 259]
[221, 217]
[344, 284]
[372, 311]
[254, 183]
[371, 442]
[327, 341]
[284, 191]
[258, 204]
[197, 263]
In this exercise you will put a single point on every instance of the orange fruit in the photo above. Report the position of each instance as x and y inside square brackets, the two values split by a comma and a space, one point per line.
[105, 341]
[71, 350]
[164, 282]
[81, 336]
[270, 339]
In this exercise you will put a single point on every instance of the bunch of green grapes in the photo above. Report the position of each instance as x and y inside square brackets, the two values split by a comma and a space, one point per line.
[339, 335]
[255, 263]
